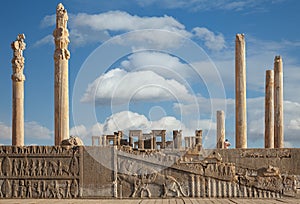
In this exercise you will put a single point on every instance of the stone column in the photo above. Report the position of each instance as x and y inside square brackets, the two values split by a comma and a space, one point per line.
[18, 79]
[140, 141]
[269, 110]
[220, 129]
[61, 84]
[240, 93]
[186, 142]
[163, 139]
[278, 103]
[177, 137]
[198, 134]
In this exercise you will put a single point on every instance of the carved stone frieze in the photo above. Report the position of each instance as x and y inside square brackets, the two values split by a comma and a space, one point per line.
[39, 172]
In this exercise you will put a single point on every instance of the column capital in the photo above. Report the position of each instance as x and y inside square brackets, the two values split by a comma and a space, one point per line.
[18, 60]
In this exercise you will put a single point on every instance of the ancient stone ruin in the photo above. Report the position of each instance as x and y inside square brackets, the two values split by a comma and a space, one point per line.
[146, 165]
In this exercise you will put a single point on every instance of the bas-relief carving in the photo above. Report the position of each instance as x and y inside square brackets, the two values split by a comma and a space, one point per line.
[213, 178]
[142, 178]
[18, 60]
[286, 153]
[27, 172]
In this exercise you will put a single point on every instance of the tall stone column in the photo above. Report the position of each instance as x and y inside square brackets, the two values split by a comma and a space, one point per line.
[278, 103]
[18, 79]
[240, 93]
[220, 129]
[269, 110]
[61, 60]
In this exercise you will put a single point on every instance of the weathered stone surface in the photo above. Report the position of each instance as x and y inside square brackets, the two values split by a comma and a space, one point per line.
[61, 84]
[269, 109]
[278, 103]
[111, 172]
[73, 141]
[240, 93]
[18, 79]
[220, 129]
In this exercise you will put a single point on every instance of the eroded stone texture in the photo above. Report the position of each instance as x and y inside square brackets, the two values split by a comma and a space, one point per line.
[220, 129]
[119, 172]
[269, 110]
[240, 93]
[278, 103]
[18, 79]
[61, 84]
[40, 172]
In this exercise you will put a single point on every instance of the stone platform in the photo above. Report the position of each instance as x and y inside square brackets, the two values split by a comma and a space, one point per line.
[155, 201]
[116, 172]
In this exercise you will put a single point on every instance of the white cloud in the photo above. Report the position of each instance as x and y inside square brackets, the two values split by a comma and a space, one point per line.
[140, 86]
[34, 130]
[45, 40]
[123, 21]
[127, 120]
[196, 5]
[48, 20]
[255, 118]
[5, 131]
[157, 31]
[162, 64]
[211, 40]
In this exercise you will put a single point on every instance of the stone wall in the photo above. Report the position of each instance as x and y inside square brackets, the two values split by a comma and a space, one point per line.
[111, 172]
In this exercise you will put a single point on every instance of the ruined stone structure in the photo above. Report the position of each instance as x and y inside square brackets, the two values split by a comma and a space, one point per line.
[220, 129]
[240, 92]
[119, 172]
[146, 165]
[278, 103]
[269, 110]
[18, 79]
[61, 89]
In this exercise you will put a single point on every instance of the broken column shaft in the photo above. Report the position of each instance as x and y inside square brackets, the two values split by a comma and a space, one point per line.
[220, 129]
[177, 139]
[61, 60]
[269, 110]
[278, 103]
[240, 93]
[18, 79]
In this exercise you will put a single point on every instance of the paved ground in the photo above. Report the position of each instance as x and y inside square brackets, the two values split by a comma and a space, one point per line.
[153, 201]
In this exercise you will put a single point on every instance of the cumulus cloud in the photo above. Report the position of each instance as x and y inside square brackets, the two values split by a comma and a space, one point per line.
[140, 86]
[255, 119]
[89, 28]
[163, 64]
[32, 130]
[123, 21]
[127, 120]
[158, 31]
[196, 5]
[5, 132]
[211, 40]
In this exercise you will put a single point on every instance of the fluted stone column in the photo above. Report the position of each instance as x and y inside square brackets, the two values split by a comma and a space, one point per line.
[278, 103]
[269, 110]
[61, 63]
[240, 93]
[220, 129]
[18, 79]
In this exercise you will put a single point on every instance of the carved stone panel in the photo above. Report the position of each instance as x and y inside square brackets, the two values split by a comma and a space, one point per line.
[40, 172]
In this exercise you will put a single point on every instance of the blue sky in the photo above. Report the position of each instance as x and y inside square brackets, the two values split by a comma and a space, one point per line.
[151, 64]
